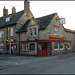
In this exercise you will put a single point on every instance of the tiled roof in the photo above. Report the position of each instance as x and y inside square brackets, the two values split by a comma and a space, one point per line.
[13, 19]
[44, 21]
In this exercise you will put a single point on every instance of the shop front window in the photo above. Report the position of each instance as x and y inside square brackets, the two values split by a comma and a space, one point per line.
[56, 45]
[69, 46]
[61, 46]
[1, 34]
[32, 46]
[1, 47]
[49, 47]
[24, 47]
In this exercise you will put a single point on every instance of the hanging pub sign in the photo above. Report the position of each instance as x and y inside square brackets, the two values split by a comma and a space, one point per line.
[61, 21]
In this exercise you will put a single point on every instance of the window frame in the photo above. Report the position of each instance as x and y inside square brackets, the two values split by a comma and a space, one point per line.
[11, 31]
[2, 34]
[25, 47]
[35, 32]
[7, 19]
[58, 46]
[1, 47]
[63, 46]
[69, 46]
[30, 32]
[30, 48]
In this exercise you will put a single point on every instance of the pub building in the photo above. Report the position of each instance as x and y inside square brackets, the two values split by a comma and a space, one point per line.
[43, 36]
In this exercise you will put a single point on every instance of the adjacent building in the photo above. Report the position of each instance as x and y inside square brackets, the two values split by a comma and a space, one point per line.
[9, 24]
[43, 36]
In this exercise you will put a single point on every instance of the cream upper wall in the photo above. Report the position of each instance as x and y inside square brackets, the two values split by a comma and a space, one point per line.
[21, 21]
[25, 35]
[32, 25]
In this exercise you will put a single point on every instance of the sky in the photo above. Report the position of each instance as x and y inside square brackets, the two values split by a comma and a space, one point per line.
[65, 9]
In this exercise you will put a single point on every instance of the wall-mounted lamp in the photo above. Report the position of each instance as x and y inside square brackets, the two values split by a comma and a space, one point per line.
[12, 40]
[7, 40]
[36, 39]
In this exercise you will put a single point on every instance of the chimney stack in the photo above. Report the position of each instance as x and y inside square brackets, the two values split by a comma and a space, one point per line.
[5, 11]
[26, 5]
[13, 10]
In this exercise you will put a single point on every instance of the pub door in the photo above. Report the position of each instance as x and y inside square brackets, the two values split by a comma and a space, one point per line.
[44, 49]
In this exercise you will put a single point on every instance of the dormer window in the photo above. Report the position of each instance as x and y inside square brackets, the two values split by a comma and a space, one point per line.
[7, 19]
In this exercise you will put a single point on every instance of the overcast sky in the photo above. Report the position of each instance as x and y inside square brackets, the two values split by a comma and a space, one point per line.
[65, 9]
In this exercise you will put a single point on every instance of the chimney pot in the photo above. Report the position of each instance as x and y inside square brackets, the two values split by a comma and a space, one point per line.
[5, 11]
[13, 10]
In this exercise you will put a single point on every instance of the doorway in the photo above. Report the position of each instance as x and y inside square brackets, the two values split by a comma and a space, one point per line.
[44, 49]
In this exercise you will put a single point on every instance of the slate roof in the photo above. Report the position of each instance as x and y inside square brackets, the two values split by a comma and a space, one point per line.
[13, 19]
[44, 21]
[23, 28]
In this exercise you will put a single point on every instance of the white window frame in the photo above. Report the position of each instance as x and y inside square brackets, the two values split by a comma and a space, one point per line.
[35, 32]
[69, 46]
[30, 32]
[2, 47]
[24, 48]
[56, 31]
[1, 34]
[11, 31]
[58, 46]
[7, 19]
[63, 46]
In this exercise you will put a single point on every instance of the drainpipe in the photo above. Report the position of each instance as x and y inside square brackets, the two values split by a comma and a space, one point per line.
[6, 38]
[19, 43]
[37, 42]
[37, 47]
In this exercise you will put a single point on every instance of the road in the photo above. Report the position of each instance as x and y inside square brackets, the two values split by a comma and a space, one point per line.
[60, 64]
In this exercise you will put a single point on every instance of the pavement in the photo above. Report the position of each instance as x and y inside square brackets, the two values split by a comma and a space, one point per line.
[59, 64]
